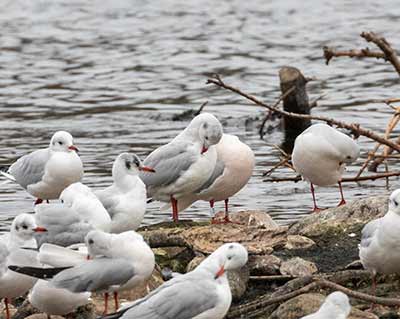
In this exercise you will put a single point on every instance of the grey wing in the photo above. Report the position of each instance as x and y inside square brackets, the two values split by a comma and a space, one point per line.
[218, 171]
[95, 275]
[29, 169]
[182, 299]
[64, 226]
[368, 232]
[169, 162]
[109, 202]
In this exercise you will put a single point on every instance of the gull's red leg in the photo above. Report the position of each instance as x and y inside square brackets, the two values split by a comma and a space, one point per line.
[227, 220]
[342, 202]
[174, 204]
[116, 301]
[105, 304]
[316, 209]
[38, 201]
[7, 308]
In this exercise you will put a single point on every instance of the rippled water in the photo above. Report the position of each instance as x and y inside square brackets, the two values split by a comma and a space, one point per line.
[115, 73]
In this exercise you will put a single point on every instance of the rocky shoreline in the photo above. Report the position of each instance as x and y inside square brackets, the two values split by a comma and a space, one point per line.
[309, 256]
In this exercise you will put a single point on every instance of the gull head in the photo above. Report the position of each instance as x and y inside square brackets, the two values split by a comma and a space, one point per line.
[394, 201]
[229, 256]
[209, 130]
[62, 142]
[24, 226]
[129, 164]
[98, 243]
[337, 302]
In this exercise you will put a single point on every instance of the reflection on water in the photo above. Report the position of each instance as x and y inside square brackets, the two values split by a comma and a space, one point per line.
[114, 73]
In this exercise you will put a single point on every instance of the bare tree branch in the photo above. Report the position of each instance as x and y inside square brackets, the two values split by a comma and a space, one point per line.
[355, 128]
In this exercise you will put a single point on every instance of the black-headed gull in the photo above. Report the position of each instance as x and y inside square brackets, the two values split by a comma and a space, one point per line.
[125, 200]
[65, 225]
[117, 262]
[17, 250]
[380, 238]
[201, 293]
[320, 155]
[184, 164]
[335, 306]
[46, 172]
[234, 167]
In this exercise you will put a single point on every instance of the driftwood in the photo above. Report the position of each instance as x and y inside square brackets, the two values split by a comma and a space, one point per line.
[295, 102]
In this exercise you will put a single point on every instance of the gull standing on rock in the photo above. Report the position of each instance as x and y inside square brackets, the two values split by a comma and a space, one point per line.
[125, 200]
[117, 262]
[17, 250]
[235, 163]
[320, 155]
[335, 306]
[200, 294]
[46, 172]
[380, 242]
[183, 165]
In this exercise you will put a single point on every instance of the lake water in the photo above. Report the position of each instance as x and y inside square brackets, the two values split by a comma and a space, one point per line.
[115, 73]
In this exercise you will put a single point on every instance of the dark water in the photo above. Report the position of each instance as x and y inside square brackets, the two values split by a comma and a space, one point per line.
[114, 73]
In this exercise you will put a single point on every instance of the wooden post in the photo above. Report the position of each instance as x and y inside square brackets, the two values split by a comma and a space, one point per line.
[296, 102]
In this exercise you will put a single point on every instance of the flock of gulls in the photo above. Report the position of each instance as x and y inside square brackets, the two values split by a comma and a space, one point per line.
[79, 241]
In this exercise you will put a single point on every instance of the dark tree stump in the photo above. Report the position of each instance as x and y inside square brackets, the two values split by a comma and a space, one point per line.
[296, 102]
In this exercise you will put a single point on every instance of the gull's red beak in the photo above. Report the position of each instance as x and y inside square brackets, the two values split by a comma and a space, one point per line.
[220, 272]
[147, 169]
[73, 148]
[87, 257]
[204, 149]
[39, 230]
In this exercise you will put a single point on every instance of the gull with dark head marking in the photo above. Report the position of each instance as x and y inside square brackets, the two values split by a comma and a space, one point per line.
[125, 200]
[117, 262]
[200, 294]
[46, 172]
[320, 155]
[335, 306]
[18, 248]
[184, 164]
[235, 163]
[379, 249]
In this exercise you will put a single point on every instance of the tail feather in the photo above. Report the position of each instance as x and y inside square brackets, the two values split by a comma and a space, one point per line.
[37, 272]
[8, 175]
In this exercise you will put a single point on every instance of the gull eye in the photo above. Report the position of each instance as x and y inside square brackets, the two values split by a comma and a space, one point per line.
[24, 227]
[61, 143]
[206, 138]
[230, 257]
[128, 165]
[395, 202]
[90, 241]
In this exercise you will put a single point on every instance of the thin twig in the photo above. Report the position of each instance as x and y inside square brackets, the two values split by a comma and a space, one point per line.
[281, 163]
[355, 128]
[270, 112]
[330, 53]
[201, 108]
[386, 48]
[344, 179]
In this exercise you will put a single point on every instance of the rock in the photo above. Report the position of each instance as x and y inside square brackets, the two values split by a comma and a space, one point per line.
[25, 310]
[256, 218]
[298, 242]
[238, 279]
[260, 235]
[309, 303]
[298, 307]
[264, 265]
[298, 267]
[346, 219]
[42, 316]
[174, 258]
